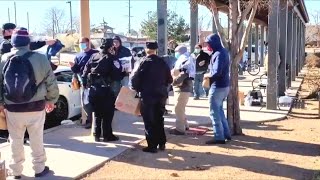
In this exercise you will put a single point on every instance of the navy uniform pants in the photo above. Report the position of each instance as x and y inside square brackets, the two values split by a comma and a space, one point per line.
[102, 100]
[152, 114]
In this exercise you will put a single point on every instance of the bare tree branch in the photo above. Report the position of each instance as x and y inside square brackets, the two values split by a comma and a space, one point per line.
[215, 12]
[247, 30]
[245, 13]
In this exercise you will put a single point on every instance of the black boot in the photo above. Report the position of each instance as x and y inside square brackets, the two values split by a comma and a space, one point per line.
[97, 139]
[150, 150]
[216, 141]
[162, 147]
[111, 138]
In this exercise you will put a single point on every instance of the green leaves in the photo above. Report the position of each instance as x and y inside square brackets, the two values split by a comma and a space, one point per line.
[177, 27]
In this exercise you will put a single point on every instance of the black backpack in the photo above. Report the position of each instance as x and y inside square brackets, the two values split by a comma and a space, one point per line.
[19, 82]
[257, 98]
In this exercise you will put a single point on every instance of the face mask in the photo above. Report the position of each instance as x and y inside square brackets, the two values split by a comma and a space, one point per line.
[7, 37]
[177, 55]
[197, 51]
[209, 49]
[83, 46]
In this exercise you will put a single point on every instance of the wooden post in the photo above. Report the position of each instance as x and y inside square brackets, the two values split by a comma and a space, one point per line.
[84, 19]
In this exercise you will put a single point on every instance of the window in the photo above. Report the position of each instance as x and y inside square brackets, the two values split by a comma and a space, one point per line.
[64, 76]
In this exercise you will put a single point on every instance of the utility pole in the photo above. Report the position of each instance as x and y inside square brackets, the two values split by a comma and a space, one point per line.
[15, 13]
[129, 16]
[149, 14]
[28, 21]
[162, 32]
[69, 2]
[9, 15]
[53, 21]
[129, 28]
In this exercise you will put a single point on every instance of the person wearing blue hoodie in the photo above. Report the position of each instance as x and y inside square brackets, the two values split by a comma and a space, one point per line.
[219, 89]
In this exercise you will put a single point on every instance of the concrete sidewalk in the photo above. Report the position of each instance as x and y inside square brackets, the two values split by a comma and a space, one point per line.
[71, 151]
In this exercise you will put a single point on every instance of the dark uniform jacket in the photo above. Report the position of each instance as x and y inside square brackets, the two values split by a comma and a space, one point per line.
[102, 65]
[6, 46]
[152, 79]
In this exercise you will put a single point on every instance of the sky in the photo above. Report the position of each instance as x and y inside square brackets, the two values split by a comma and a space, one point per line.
[114, 12]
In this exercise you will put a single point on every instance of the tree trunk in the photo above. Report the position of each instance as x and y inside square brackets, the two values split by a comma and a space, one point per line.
[233, 99]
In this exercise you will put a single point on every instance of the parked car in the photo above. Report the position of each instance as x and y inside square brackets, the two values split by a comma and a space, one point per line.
[69, 102]
[138, 51]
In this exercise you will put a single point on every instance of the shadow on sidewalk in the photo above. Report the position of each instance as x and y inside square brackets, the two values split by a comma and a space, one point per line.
[179, 160]
[261, 143]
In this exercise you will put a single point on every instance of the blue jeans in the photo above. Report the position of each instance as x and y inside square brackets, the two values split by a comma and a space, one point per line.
[197, 85]
[125, 81]
[220, 124]
[116, 86]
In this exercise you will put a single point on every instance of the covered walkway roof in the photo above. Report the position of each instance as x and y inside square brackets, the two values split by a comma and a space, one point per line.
[262, 13]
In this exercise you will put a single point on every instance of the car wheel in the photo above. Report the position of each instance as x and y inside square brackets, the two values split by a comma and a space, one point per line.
[61, 111]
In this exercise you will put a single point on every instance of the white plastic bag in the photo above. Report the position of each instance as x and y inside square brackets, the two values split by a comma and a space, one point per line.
[67, 122]
[285, 100]
[248, 101]
[86, 96]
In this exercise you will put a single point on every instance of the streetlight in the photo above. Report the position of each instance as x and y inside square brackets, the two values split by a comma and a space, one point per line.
[69, 2]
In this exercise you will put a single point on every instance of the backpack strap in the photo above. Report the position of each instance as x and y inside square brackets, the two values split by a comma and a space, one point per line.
[26, 55]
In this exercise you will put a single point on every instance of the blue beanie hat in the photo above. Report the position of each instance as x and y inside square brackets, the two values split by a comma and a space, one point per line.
[20, 38]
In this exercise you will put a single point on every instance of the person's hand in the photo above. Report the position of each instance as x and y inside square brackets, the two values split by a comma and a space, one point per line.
[1, 108]
[71, 64]
[207, 75]
[202, 63]
[49, 107]
[50, 42]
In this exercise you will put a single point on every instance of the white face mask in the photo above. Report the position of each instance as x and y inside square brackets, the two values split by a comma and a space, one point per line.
[208, 52]
[197, 51]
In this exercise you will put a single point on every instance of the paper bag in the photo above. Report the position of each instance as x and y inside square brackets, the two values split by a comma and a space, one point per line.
[206, 83]
[241, 97]
[127, 101]
[3, 122]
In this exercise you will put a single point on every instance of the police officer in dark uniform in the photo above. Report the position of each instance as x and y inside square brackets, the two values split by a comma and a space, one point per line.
[151, 80]
[99, 73]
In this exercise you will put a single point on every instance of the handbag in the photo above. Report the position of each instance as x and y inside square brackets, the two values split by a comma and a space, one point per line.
[75, 84]
[175, 74]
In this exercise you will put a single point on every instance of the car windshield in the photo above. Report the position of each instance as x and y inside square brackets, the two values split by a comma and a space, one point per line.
[64, 76]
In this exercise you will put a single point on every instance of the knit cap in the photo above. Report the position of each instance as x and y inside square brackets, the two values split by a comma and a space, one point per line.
[20, 37]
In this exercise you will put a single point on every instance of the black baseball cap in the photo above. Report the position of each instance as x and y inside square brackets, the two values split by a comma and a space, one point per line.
[152, 45]
[8, 26]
